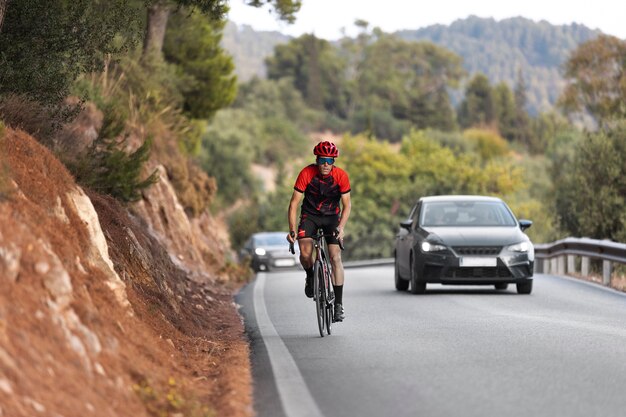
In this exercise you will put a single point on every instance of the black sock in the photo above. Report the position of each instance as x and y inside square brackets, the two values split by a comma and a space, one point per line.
[309, 272]
[338, 294]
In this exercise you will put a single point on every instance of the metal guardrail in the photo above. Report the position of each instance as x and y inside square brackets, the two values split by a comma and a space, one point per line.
[368, 262]
[553, 256]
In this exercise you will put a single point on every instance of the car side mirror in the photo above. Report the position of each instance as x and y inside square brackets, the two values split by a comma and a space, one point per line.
[525, 224]
[406, 224]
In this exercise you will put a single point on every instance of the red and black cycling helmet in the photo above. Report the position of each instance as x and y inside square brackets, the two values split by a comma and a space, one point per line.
[326, 149]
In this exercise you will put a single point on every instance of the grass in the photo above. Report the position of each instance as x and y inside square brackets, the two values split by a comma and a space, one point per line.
[170, 400]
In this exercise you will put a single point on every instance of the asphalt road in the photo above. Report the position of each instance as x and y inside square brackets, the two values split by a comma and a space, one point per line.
[455, 351]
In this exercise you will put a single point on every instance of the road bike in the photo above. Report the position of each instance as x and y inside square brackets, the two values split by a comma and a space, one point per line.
[323, 292]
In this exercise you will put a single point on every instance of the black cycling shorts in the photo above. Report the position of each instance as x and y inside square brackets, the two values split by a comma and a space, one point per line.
[309, 224]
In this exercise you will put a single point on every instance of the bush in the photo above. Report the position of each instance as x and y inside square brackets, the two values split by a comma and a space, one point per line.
[107, 169]
[42, 121]
[488, 143]
[590, 195]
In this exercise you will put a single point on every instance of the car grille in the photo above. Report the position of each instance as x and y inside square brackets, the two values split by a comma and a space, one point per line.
[280, 254]
[432, 271]
[478, 272]
[477, 250]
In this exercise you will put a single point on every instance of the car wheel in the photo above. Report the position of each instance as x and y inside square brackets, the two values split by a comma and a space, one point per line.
[417, 287]
[501, 286]
[401, 284]
[525, 287]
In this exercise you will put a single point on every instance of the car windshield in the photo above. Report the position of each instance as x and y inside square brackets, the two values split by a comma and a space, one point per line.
[466, 213]
[274, 239]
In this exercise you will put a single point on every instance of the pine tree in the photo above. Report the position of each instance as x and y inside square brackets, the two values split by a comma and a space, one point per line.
[523, 131]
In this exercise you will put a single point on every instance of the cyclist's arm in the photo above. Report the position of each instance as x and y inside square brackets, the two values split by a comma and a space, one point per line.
[292, 213]
[346, 207]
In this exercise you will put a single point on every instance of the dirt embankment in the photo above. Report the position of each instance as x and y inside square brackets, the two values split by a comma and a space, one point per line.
[106, 310]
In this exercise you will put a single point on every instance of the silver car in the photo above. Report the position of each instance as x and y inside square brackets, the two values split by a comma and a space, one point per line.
[268, 251]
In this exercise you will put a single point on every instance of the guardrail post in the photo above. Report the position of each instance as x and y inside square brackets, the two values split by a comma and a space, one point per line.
[546, 266]
[606, 272]
[571, 264]
[584, 270]
[561, 265]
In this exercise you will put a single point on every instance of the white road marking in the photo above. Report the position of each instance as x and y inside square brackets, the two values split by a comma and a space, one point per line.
[294, 394]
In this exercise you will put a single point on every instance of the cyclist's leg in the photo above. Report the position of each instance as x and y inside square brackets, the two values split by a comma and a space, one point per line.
[334, 253]
[307, 227]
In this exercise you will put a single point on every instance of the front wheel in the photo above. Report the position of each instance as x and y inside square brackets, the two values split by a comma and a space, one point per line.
[525, 287]
[417, 286]
[401, 284]
[319, 295]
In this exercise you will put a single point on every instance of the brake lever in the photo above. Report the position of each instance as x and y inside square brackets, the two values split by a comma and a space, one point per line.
[339, 240]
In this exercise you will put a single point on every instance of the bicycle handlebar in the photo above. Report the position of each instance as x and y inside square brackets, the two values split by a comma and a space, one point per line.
[316, 237]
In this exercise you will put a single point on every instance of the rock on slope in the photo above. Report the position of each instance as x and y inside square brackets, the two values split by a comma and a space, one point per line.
[97, 318]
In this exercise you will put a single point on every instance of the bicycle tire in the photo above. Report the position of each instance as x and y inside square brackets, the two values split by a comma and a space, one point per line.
[319, 295]
[329, 300]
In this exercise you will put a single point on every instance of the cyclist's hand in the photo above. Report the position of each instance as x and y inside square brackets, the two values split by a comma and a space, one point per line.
[291, 237]
[339, 233]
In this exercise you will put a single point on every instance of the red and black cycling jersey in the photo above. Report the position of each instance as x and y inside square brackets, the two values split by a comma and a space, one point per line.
[322, 194]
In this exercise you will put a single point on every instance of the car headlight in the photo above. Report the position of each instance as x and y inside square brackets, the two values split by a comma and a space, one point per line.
[519, 247]
[259, 251]
[432, 247]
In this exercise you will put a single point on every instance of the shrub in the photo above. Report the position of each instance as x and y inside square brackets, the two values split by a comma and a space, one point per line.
[42, 121]
[488, 143]
[108, 169]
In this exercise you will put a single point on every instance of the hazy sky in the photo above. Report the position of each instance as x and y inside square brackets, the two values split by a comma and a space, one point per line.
[326, 18]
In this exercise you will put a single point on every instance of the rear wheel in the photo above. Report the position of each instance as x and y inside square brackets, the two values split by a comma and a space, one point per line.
[401, 284]
[501, 286]
[319, 295]
[525, 287]
[417, 286]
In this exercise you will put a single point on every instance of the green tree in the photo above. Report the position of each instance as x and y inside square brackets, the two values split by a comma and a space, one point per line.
[316, 70]
[596, 79]
[505, 110]
[280, 115]
[522, 132]
[227, 154]
[46, 45]
[592, 194]
[158, 12]
[478, 108]
[488, 143]
[192, 43]
[411, 79]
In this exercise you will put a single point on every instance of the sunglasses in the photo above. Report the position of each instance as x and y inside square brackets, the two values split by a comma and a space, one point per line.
[322, 161]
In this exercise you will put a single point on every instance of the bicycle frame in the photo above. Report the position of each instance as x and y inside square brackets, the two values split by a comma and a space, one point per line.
[323, 291]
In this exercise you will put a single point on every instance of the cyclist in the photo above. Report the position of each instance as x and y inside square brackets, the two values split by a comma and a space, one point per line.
[323, 186]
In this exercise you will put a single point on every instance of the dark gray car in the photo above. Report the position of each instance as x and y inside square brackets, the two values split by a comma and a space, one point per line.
[463, 240]
[269, 250]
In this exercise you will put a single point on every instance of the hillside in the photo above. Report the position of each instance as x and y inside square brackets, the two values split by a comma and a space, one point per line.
[499, 48]
[111, 310]
[495, 48]
[249, 48]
